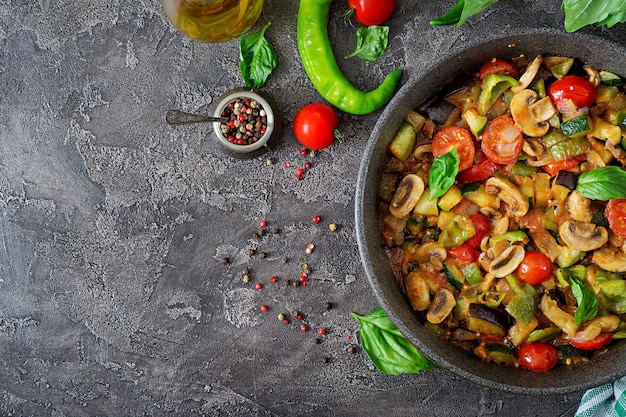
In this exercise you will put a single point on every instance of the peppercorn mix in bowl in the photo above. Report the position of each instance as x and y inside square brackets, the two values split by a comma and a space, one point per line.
[457, 292]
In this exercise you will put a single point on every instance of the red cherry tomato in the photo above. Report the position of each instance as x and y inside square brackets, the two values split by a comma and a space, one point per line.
[372, 12]
[482, 228]
[534, 268]
[537, 356]
[597, 342]
[615, 212]
[498, 66]
[502, 140]
[564, 165]
[315, 126]
[450, 136]
[464, 254]
[571, 87]
[480, 171]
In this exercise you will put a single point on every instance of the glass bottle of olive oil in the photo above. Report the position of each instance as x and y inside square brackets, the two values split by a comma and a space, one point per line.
[212, 20]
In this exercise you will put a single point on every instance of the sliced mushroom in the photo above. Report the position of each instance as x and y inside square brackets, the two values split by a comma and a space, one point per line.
[543, 240]
[442, 305]
[583, 236]
[579, 207]
[594, 75]
[610, 259]
[507, 262]
[553, 312]
[421, 151]
[529, 74]
[416, 288]
[530, 114]
[406, 196]
[430, 256]
[509, 193]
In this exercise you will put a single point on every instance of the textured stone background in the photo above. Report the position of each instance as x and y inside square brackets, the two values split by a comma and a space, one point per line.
[113, 297]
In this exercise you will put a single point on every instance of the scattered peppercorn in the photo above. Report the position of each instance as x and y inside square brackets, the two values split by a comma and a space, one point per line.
[263, 223]
[316, 341]
[325, 359]
[328, 306]
[246, 278]
[351, 349]
[286, 321]
[275, 231]
[262, 255]
[305, 268]
[304, 152]
[273, 278]
[309, 248]
[307, 165]
[304, 328]
[286, 165]
[322, 331]
[269, 161]
[284, 260]
[258, 285]
[317, 219]
[255, 236]
[313, 153]
[245, 271]
[281, 317]
[332, 227]
[248, 121]
[287, 282]
[264, 308]
[295, 284]
[250, 252]
[225, 261]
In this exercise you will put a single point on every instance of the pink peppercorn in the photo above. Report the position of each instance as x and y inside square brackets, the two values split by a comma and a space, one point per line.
[322, 331]
[317, 219]
[258, 285]
[264, 308]
[304, 328]
[263, 223]
[273, 278]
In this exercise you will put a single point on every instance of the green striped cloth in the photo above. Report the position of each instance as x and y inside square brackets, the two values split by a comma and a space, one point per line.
[608, 400]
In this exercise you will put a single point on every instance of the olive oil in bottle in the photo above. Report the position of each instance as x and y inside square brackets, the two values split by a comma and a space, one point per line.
[212, 20]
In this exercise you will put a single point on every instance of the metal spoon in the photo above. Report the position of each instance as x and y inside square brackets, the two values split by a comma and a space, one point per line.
[177, 117]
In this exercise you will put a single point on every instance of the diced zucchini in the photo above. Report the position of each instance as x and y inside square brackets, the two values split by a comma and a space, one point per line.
[461, 308]
[569, 355]
[569, 257]
[456, 231]
[475, 121]
[403, 143]
[604, 94]
[425, 206]
[415, 226]
[542, 189]
[610, 79]
[576, 127]
[520, 331]
[616, 117]
[451, 198]
[454, 275]
[559, 66]
[416, 120]
[501, 354]
[604, 130]
[523, 169]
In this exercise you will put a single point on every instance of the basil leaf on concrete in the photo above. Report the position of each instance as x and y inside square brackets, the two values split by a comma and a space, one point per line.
[603, 183]
[257, 58]
[579, 13]
[371, 42]
[387, 348]
[443, 172]
[472, 8]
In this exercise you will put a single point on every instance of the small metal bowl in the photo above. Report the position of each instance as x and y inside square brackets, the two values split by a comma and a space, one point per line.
[272, 130]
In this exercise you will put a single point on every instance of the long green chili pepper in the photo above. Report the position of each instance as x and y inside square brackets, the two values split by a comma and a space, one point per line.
[451, 17]
[321, 67]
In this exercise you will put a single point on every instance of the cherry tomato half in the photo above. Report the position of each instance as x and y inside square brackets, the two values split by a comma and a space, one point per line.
[571, 87]
[450, 136]
[482, 169]
[597, 342]
[537, 356]
[463, 254]
[482, 228]
[615, 212]
[498, 66]
[314, 125]
[564, 165]
[534, 268]
[372, 12]
[502, 140]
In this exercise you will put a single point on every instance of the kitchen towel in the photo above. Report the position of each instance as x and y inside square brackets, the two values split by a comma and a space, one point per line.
[608, 400]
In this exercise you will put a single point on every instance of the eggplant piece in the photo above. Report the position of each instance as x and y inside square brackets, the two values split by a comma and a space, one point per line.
[438, 109]
[483, 319]
[460, 82]
[567, 179]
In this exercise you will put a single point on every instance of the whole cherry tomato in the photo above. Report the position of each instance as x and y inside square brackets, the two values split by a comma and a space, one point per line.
[597, 342]
[537, 356]
[534, 268]
[450, 136]
[571, 87]
[315, 126]
[615, 212]
[498, 66]
[502, 140]
[482, 226]
[372, 12]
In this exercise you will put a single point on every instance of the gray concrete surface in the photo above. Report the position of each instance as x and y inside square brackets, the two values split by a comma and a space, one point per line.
[114, 300]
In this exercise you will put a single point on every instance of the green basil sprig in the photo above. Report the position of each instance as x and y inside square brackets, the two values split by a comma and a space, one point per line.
[603, 183]
[371, 42]
[257, 58]
[387, 348]
[587, 302]
[442, 173]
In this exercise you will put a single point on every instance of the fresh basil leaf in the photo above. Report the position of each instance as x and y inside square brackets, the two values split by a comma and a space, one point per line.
[579, 13]
[371, 42]
[603, 183]
[587, 301]
[442, 173]
[387, 348]
[472, 8]
[257, 58]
